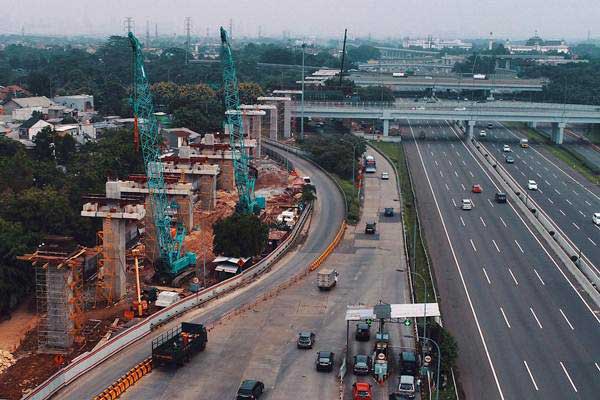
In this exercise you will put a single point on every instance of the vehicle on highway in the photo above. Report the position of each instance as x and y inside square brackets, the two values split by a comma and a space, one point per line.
[467, 204]
[524, 143]
[500, 197]
[406, 386]
[490, 125]
[460, 109]
[306, 179]
[509, 159]
[361, 364]
[388, 211]
[327, 278]
[250, 389]
[482, 133]
[306, 340]
[325, 360]
[476, 188]
[420, 108]
[385, 176]
[408, 363]
[532, 185]
[381, 356]
[596, 218]
[506, 148]
[177, 346]
[370, 227]
[362, 391]
[479, 76]
[399, 75]
[363, 332]
[370, 164]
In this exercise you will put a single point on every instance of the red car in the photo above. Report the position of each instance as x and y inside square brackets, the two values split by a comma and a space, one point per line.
[362, 391]
[476, 189]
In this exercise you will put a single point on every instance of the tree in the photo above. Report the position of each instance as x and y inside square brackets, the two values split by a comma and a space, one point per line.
[249, 92]
[240, 235]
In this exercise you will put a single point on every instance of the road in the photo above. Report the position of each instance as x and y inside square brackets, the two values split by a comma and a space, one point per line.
[260, 344]
[524, 328]
[568, 199]
[328, 212]
[577, 144]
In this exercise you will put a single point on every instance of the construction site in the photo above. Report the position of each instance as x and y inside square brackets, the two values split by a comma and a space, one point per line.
[156, 232]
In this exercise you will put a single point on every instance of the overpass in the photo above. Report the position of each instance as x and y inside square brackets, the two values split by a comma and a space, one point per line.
[558, 115]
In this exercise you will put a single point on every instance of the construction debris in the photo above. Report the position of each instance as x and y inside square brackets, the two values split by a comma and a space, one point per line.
[6, 360]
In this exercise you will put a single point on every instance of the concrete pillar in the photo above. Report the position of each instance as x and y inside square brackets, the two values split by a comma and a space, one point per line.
[507, 63]
[558, 132]
[532, 124]
[386, 127]
[287, 119]
[273, 124]
[257, 125]
[470, 130]
[114, 230]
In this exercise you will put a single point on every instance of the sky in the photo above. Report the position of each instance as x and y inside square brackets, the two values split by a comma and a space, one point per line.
[515, 19]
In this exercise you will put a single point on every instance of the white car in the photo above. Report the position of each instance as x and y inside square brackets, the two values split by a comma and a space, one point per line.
[460, 109]
[482, 133]
[506, 148]
[385, 176]
[467, 204]
[532, 185]
[596, 218]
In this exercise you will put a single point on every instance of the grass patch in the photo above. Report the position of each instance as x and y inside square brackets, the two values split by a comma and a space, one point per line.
[352, 200]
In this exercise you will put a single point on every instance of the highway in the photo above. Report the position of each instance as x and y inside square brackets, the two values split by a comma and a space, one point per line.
[574, 140]
[327, 217]
[570, 200]
[261, 344]
[524, 328]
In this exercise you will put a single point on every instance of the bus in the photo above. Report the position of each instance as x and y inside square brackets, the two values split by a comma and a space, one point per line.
[370, 165]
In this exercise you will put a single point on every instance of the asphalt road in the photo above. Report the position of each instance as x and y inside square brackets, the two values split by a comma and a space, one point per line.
[524, 328]
[578, 145]
[567, 198]
[261, 344]
[326, 219]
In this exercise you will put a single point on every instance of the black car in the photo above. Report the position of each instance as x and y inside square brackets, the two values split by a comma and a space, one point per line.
[250, 389]
[370, 227]
[363, 332]
[325, 360]
[361, 364]
[500, 197]
[509, 159]
[306, 340]
[408, 363]
[388, 211]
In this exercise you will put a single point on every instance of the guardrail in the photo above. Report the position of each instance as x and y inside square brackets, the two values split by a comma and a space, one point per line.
[92, 359]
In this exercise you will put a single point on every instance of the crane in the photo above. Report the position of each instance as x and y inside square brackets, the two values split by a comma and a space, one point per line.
[169, 232]
[244, 179]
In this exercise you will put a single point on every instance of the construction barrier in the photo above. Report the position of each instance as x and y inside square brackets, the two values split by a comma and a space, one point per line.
[338, 237]
[123, 383]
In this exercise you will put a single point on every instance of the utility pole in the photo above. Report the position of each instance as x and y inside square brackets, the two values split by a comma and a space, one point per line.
[188, 27]
[302, 99]
[129, 24]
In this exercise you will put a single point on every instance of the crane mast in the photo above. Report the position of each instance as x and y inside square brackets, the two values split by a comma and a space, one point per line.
[169, 232]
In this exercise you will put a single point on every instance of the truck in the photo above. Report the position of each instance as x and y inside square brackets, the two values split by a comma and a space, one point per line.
[326, 278]
[399, 75]
[381, 356]
[479, 76]
[524, 143]
[370, 165]
[176, 346]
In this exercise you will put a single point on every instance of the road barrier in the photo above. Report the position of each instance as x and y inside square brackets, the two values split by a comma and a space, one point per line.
[338, 237]
[129, 379]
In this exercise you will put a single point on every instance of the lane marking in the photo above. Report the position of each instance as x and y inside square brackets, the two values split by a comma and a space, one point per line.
[436, 163]
[536, 318]
[557, 192]
[513, 277]
[588, 203]
[568, 376]
[441, 173]
[464, 163]
[539, 277]
[566, 319]
[503, 223]
[483, 222]
[496, 246]
[522, 173]
[486, 276]
[550, 200]
[473, 245]
[540, 190]
[491, 204]
[454, 202]
[580, 212]
[538, 174]
[594, 243]
[569, 201]
[505, 319]
[575, 225]
[447, 188]
[576, 194]
[462, 221]
[456, 173]
[561, 211]
[519, 246]
[472, 176]
[546, 182]
[463, 187]
[450, 162]
[531, 376]
[597, 366]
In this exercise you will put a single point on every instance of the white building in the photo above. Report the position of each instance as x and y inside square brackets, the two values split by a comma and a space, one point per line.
[79, 102]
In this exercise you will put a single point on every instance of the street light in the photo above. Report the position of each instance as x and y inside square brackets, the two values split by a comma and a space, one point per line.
[439, 358]
[302, 98]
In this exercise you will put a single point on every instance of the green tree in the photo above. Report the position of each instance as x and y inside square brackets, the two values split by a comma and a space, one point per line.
[240, 235]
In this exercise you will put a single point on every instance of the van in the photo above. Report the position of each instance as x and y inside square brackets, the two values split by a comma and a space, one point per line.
[406, 386]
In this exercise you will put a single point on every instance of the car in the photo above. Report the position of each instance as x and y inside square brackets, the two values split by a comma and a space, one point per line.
[509, 159]
[406, 386]
[532, 185]
[306, 340]
[370, 227]
[385, 176]
[362, 391]
[306, 179]
[460, 109]
[476, 188]
[596, 218]
[361, 364]
[490, 125]
[325, 360]
[363, 332]
[467, 204]
[506, 148]
[482, 133]
[250, 389]
[500, 197]
[420, 108]
[388, 211]
[408, 363]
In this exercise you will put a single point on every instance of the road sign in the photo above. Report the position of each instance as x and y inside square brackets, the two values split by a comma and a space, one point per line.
[369, 322]
[427, 359]
[407, 322]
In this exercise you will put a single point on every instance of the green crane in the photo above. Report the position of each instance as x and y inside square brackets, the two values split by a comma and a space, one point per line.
[245, 176]
[169, 232]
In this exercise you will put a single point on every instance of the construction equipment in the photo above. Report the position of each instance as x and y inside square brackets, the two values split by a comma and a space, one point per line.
[244, 179]
[178, 345]
[169, 231]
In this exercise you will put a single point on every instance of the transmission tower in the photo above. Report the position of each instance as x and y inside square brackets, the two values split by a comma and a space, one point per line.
[188, 27]
[147, 33]
[128, 24]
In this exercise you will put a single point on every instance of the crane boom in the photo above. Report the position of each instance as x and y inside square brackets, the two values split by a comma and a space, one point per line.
[171, 261]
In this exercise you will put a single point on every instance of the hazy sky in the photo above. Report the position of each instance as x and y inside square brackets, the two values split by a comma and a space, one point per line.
[449, 18]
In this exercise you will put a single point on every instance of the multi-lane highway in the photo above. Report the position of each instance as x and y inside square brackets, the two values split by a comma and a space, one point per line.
[524, 329]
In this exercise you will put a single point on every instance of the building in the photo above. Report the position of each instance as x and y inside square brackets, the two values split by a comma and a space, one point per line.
[28, 102]
[79, 102]
[536, 44]
[436, 43]
[30, 128]
[12, 91]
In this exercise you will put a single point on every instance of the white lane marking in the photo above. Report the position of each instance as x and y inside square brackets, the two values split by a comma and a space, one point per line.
[473, 245]
[554, 175]
[454, 202]
[491, 204]
[464, 163]
[564, 183]
[536, 318]
[519, 246]
[486, 276]
[588, 203]
[538, 174]
[540, 190]
[496, 246]
[597, 366]
[462, 221]
[505, 319]
[441, 173]
[557, 192]
[436, 163]
[503, 223]
[531, 168]
[513, 277]
[566, 319]
[594, 243]
[546, 169]
[457, 153]
[539, 277]
[522, 173]
[462, 278]
[575, 225]
[447, 188]
[550, 200]
[569, 201]
[546, 182]
[581, 213]
[531, 376]
[472, 176]
[568, 376]
[456, 174]
[561, 211]
[463, 187]
[431, 153]
[450, 162]
[576, 194]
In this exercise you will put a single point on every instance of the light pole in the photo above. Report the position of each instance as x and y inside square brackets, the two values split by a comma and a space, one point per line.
[302, 97]
[439, 359]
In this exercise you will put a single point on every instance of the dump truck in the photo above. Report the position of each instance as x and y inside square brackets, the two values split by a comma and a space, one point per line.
[177, 346]
[326, 279]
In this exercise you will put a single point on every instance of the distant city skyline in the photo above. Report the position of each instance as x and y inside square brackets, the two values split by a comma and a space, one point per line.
[512, 19]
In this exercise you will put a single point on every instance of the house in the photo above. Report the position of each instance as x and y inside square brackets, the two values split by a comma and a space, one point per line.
[23, 114]
[30, 128]
[226, 267]
[28, 102]
[12, 91]
[79, 102]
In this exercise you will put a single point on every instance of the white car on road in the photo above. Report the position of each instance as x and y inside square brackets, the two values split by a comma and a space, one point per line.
[385, 176]
[506, 148]
[596, 218]
[532, 185]
[467, 204]
[482, 133]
